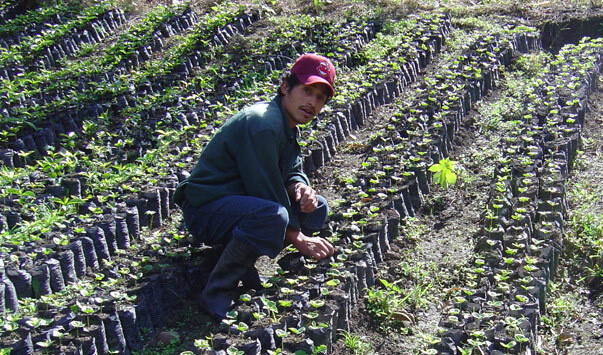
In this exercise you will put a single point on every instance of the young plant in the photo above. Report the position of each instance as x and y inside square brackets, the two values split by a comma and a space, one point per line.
[271, 306]
[355, 344]
[444, 173]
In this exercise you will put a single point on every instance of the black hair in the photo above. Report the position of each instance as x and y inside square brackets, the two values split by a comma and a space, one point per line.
[291, 80]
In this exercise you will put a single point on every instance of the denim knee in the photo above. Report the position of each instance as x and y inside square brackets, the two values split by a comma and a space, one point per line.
[273, 216]
[264, 229]
[313, 221]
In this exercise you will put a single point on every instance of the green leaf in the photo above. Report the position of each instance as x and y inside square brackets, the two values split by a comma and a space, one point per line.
[444, 173]
[435, 168]
[35, 284]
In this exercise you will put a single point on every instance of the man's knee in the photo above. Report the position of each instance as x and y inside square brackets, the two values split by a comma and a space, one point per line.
[280, 218]
[313, 221]
[264, 228]
[323, 206]
[272, 215]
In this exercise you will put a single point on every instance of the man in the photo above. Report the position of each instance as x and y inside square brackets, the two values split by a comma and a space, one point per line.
[248, 190]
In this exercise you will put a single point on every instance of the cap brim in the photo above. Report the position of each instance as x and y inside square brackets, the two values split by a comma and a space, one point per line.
[315, 79]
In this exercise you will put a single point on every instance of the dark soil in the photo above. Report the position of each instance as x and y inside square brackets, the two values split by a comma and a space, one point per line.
[440, 240]
[436, 246]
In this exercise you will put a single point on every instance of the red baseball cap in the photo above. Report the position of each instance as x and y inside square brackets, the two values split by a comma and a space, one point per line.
[313, 68]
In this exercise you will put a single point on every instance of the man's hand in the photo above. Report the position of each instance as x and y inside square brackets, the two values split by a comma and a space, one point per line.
[315, 247]
[305, 195]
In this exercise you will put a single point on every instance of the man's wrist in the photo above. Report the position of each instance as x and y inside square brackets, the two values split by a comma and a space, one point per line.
[294, 236]
[292, 187]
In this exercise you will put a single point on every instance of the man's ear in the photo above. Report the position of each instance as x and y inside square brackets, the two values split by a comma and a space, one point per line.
[284, 88]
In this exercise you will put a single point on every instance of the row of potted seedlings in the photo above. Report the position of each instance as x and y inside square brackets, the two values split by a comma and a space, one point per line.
[56, 166]
[522, 238]
[111, 94]
[33, 21]
[307, 306]
[41, 51]
[130, 49]
[88, 256]
[28, 186]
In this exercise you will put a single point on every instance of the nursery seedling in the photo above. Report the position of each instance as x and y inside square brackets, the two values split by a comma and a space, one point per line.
[297, 331]
[258, 316]
[317, 303]
[271, 306]
[520, 338]
[285, 303]
[510, 345]
[292, 281]
[286, 291]
[36, 322]
[282, 333]
[234, 351]
[444, 173]
[325, 291]
[355, 344]
[202, 344]
[44, 344]
[242, 327]
[58, 333]
[333, 282]
[77, 325]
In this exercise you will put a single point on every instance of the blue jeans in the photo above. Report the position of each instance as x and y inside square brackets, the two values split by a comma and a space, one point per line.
[261, 223]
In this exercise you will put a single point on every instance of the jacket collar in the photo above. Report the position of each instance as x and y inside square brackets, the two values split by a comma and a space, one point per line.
[290, 133]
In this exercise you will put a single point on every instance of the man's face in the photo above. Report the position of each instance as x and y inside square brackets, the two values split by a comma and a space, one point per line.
[303, 102]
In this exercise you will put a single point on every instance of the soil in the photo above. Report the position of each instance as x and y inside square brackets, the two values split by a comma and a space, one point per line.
[436, 246]
[582, 332]
[440, 240]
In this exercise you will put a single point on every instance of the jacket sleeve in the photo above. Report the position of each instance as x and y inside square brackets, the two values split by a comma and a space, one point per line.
[258, 165]
[296, 174]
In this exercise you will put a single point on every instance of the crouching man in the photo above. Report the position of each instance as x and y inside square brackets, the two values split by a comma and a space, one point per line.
[248, 191]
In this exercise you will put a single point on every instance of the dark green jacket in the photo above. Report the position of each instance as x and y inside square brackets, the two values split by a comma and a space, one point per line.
[255, 153]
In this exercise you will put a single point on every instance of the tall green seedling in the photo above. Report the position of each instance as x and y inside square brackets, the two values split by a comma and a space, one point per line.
[444, 173]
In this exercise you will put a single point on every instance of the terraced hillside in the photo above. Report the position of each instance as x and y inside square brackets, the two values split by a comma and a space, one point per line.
[461, 156]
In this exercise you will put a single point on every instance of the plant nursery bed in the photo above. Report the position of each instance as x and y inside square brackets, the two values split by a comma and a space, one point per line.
[461, 158]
